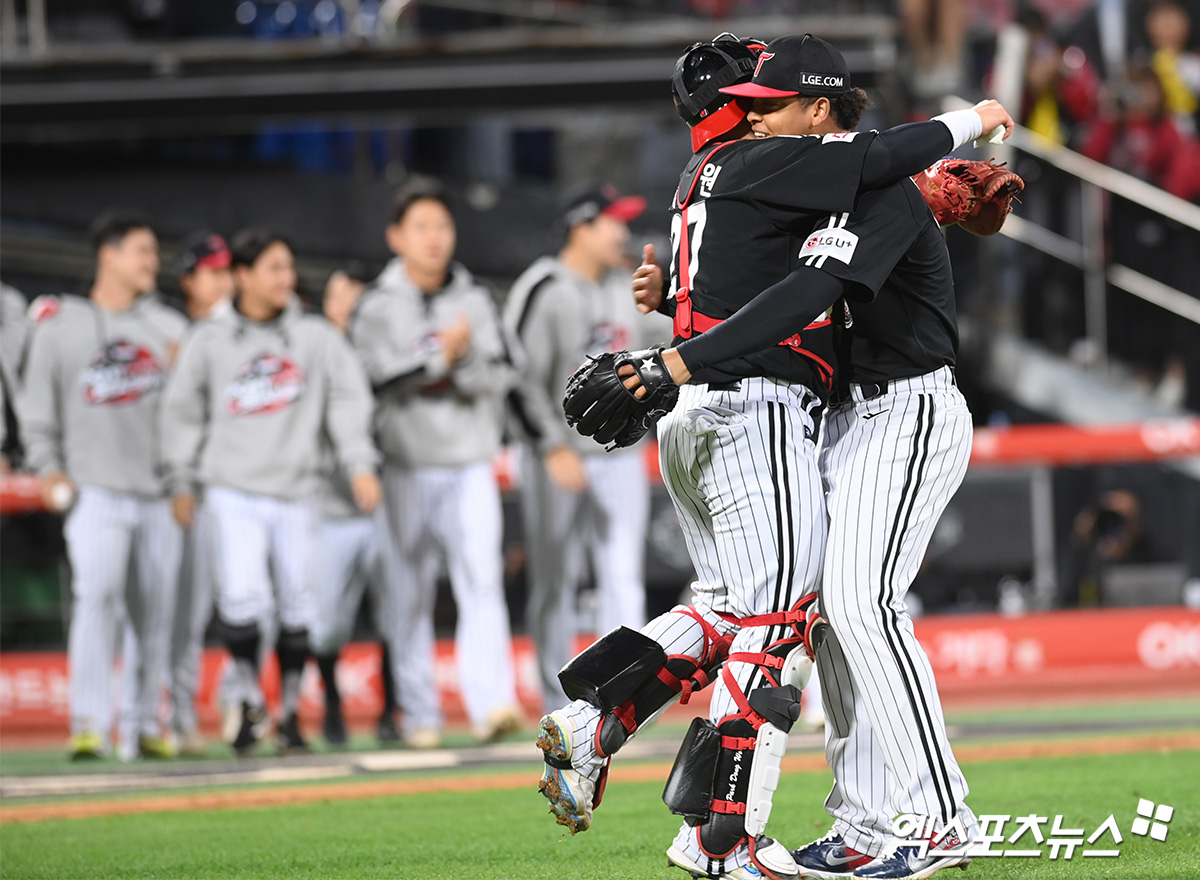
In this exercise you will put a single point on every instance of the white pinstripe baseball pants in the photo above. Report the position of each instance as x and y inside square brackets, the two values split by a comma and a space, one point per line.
[891, 465]
[352, 560]
[455, 512]
[109, 536]
[742, 472]
[607, 521]
[193, 609]
[257, 541]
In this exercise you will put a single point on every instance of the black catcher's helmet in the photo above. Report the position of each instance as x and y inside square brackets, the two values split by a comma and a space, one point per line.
[701, 72]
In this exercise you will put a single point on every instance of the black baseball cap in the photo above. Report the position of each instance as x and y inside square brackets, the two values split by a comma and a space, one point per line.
[796, 65]
[204, 249]
[591, 203]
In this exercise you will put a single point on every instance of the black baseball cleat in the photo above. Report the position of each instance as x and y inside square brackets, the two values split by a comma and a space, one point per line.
[289, 738]
[334, 728]
[252, 729]
[386, 731]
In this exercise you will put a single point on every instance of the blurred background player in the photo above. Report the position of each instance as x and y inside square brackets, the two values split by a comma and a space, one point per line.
[430, 338]
[13, 331]
[576, 499]
[93, 382]
[352, 554]
[206, 279]
[254, 389]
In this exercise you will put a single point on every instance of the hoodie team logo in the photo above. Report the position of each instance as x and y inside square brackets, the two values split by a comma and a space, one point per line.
[267, 384]
[121, 372]
[605, 337]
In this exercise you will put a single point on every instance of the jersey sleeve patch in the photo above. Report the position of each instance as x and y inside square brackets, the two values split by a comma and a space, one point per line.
[840, 244]
[839, 137]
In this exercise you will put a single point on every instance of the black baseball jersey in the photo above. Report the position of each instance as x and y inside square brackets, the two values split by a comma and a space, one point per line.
[751, 206]
[899, 319]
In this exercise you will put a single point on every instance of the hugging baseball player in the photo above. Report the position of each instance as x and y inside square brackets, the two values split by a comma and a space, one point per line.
[743, 426]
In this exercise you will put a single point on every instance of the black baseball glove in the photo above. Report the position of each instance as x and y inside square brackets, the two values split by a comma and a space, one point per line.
[598, 404]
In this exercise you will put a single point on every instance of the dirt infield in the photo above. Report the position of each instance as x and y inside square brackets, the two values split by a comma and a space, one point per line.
[274, 797]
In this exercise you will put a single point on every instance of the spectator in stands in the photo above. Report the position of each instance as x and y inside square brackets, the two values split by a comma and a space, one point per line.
[936, 34]
[430, 337]
[1134, 133]
[1168, 28]
[1106, 533]
[1061, 84]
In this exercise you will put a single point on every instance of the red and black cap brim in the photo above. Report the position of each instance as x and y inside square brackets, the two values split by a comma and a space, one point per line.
[753, 90]
[625, 208]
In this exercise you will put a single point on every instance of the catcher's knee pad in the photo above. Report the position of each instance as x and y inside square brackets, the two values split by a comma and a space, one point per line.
[725, 776]
[631, 679]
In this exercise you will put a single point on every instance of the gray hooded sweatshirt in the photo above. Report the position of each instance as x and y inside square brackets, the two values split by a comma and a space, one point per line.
[428, 413]
[93, 384]
[559, 318]
[247, 404]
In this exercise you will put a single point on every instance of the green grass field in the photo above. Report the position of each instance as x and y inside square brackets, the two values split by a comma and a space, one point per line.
[507, 834]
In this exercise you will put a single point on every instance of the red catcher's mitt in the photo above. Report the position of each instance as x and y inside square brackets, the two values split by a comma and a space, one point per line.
[975, 195]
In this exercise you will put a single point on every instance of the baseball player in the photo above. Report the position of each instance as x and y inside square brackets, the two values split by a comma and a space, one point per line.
[574, 498]
[93, 380]
[13, 331]
[737, 455]
[895, 448]
[352, 555]
[430, 338]
[243, 418]
[206, 279]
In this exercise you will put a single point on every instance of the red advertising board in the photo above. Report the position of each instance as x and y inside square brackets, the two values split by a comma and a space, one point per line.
[978, 659]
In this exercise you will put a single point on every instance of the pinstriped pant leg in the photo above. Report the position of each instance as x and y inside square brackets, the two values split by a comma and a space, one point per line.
[159, 547]
[550, 516]
[409, 495]
[889, 480]
[99, 535]
[620, 500]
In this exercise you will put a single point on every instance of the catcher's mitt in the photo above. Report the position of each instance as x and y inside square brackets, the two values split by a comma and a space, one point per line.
[975, 195]
[598, 404]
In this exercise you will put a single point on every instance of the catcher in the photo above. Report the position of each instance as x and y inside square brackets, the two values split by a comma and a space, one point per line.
[737, 455]
[975, 195]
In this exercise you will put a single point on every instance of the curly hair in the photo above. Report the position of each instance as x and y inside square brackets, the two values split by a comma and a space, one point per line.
[847, 108]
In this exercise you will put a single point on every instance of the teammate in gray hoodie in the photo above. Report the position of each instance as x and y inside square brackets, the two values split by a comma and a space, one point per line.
[244, 414]
[93, 381]
[577, 500]
[430, 338]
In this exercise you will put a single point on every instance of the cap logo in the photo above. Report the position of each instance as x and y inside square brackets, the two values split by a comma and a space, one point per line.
[813, 79]
[765, 56]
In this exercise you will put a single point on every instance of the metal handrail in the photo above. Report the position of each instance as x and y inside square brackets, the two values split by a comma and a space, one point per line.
[1117, 182]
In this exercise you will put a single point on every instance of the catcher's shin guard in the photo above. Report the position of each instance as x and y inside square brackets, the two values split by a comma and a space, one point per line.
[631, 679]
[726, 774]
[679, 676]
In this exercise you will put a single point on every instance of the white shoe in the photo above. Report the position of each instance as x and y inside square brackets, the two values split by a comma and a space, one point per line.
[571, 791]
[761, 857]
[499, 723]
[422, 738]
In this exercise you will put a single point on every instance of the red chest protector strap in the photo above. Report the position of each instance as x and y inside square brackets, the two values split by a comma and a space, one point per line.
[688, 321]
